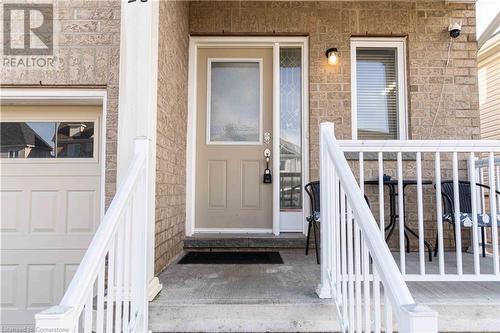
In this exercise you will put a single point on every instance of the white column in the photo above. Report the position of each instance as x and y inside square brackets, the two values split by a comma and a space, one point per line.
[138, 102]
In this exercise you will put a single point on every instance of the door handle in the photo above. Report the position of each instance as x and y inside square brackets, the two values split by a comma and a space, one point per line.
[268, 178]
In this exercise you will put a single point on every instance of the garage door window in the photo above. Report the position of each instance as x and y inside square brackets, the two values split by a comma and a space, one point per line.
[47, 139]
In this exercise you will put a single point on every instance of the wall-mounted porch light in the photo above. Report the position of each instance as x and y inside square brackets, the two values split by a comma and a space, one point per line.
[332, 56]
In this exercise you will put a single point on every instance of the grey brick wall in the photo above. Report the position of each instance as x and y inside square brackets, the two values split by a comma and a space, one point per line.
[171, 131]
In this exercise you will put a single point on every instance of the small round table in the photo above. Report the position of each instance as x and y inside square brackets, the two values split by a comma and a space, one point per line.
[392, 185]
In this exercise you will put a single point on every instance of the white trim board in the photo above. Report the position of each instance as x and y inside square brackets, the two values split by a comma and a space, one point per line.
[275, 43]
[75, 96]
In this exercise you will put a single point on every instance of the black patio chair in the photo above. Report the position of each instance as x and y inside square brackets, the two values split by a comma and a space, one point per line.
[313, 190]
[465, 209]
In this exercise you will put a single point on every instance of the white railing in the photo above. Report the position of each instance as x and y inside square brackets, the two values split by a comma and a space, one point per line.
[483, 196]
[419, 215]
[109, 291]
[357, 267]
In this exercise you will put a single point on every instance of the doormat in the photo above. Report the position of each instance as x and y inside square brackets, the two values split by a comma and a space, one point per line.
[232, 257]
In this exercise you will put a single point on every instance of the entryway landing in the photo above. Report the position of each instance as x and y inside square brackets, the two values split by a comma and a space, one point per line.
[282, 298]
[243, 298]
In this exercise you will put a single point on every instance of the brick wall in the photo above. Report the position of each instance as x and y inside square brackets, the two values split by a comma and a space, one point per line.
[171, 131]
[331, 24]
[87, 44]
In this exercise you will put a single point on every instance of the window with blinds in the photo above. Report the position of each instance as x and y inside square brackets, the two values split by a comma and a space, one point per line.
[379, 109]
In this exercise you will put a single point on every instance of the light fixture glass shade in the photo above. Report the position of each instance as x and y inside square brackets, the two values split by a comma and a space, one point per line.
[332, 56]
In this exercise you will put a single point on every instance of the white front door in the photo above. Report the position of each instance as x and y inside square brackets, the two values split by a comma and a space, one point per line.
[50, 202]
[234, 128]
[235, 115]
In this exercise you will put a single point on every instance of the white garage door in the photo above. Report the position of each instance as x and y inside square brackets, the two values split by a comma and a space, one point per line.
[50, 202]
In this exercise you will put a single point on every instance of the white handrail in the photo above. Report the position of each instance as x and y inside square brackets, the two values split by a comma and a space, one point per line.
[465, 146]
[107, 261]
[343, 207]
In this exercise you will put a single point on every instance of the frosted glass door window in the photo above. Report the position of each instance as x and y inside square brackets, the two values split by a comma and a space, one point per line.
[234, 102]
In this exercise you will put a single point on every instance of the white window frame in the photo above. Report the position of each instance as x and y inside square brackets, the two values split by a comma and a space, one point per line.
[209, 100]
[399, 43]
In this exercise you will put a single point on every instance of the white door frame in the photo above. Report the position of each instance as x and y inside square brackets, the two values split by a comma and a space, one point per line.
[275, 43]
[66, 96]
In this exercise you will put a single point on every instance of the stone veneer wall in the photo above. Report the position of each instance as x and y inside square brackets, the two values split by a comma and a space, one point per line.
[171, 131]
[332, 24]
[87, 51]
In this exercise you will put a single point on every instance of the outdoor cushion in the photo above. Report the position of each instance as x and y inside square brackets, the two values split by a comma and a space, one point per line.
[483, 220]
[314, 217]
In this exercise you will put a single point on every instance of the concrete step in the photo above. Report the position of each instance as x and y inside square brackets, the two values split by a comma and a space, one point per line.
[283, 317]
[247, 241]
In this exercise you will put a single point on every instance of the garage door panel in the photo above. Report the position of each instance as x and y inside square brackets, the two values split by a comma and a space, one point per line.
[69, 272]
[46, 241]
[41, 282]
[12, 217]
[50, 200]
[44, 211]
[63, 169]
[81, 209]
[9, 275]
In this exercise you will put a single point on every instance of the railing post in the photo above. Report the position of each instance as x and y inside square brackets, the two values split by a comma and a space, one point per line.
[325, 288]
[55, 319]
[416, 318]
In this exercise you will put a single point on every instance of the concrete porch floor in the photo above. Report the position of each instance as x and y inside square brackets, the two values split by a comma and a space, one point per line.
[281, 298]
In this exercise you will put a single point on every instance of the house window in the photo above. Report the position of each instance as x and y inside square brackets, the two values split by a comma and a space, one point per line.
[290, 128]
[234, 101]
[378, 89]
[47, 139]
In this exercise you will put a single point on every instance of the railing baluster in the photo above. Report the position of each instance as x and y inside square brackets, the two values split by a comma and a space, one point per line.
[376, 301]
[439, 213]
[493, 211]
[343, 244]
[126, 268]
[350, 265]
[381, 206]
[366, 256]
[361, 173]
[87, 315]
[498, 184]
[473, 192]
[357, 272]
[388, 312]
[338, 222]
[456, 204]
[401, 215]
[366, 287]
[110, 299]
[100, 299]
[119, 279]
[420, 215]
